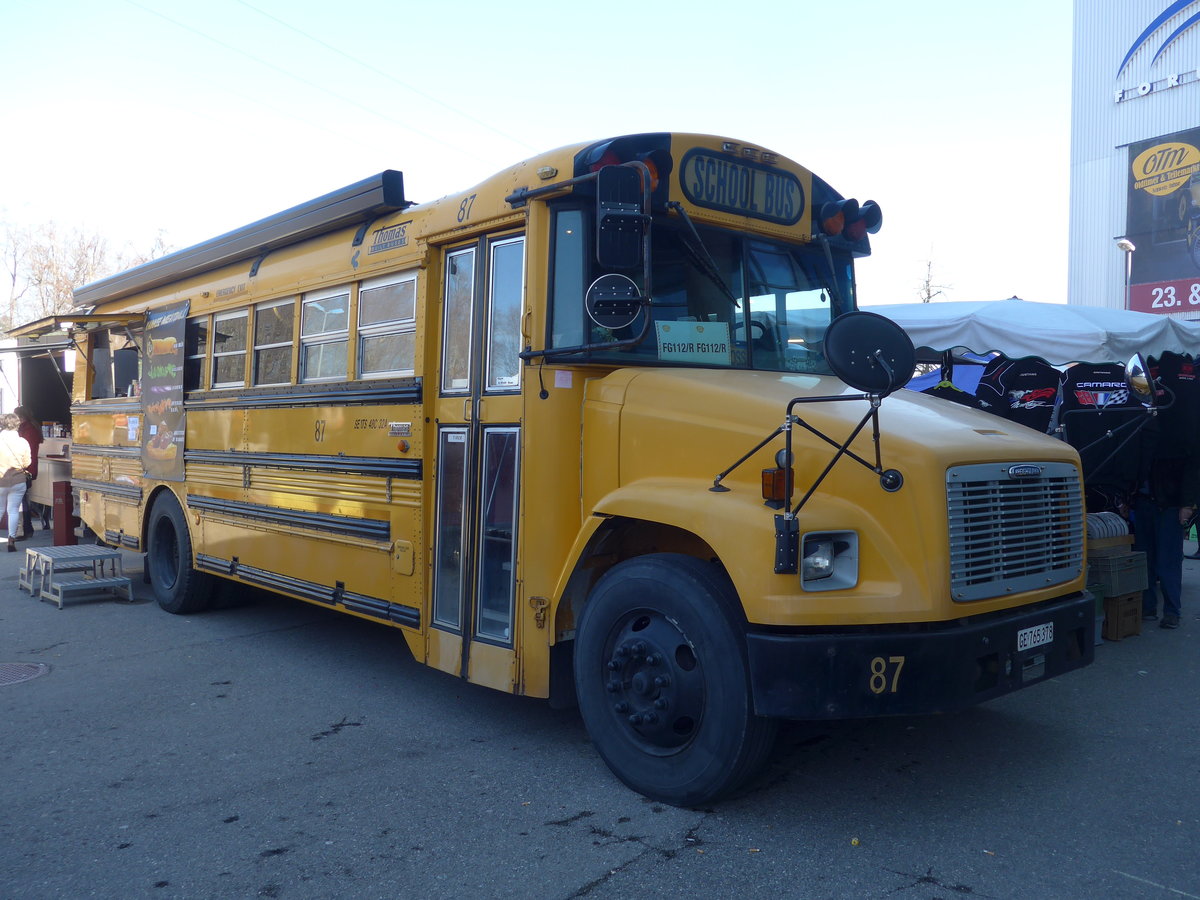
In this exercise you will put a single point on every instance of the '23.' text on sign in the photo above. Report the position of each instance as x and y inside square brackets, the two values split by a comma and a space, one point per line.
[1165, 296]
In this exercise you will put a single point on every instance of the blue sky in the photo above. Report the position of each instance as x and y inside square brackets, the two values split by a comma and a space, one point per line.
[131, 117]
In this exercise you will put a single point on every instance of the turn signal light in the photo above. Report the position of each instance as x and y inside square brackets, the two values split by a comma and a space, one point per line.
[774, 484]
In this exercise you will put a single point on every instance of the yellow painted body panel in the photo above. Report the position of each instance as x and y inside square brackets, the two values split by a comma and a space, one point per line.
[680, 428]
[493, 667]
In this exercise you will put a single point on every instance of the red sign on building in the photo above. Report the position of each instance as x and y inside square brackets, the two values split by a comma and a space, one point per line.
[1166, 296]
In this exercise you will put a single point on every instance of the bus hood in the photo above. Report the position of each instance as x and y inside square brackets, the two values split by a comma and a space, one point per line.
[702, 421]
[655, 441]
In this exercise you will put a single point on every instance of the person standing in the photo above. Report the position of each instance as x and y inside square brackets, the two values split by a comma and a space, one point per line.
[1159, 518]
[14, 461]
[1169, 496]
[31, 430]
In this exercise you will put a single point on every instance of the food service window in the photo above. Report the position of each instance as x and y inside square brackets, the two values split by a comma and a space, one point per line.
[387, 325]
[116, 361]
[273, 335]
[229, 349]
[324, 335]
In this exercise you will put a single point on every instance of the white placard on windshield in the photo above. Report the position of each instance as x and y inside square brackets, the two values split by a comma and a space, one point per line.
[706, 343]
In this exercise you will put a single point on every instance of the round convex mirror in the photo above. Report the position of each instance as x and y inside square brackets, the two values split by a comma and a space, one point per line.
[1137, 373]
[613, 301]
[869, 352]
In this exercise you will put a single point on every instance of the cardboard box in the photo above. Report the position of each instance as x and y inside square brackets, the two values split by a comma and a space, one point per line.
[1122, 616]
[1109, 546]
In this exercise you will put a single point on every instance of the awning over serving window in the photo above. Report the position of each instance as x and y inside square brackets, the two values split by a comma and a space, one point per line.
[87, 321]
[55, 342]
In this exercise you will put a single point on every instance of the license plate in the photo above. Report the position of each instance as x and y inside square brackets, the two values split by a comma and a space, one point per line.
[1035, 636]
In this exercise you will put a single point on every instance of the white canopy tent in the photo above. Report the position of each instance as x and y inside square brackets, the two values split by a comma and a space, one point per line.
[1058, 334]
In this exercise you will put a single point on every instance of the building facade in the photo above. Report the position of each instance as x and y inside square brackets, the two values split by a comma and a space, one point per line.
[1135, 156]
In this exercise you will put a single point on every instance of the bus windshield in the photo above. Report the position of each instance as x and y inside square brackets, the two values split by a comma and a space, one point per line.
[719, 298]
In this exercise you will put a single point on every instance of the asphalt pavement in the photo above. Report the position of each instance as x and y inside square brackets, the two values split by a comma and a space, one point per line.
[276, 749]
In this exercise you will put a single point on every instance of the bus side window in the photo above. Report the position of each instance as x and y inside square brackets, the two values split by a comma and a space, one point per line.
[387, 326]
[229, 349]
[273, 342]
[324, 335]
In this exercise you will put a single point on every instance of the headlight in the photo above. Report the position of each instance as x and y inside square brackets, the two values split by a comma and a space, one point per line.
[818, 560]
[828, 560]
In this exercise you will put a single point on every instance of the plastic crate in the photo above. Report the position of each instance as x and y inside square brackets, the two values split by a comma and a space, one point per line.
[1119, 574]
[1122, 616]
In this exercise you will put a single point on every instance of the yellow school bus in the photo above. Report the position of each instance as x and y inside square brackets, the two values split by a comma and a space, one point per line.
[606, 429]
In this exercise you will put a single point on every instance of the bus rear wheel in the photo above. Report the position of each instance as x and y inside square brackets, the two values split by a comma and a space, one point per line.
[178, 587]
[662, 683]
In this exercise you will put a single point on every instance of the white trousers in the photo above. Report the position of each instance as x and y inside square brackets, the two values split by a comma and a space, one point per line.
[11, 497]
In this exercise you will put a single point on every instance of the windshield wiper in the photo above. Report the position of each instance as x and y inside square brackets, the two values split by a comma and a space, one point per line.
[700, 256]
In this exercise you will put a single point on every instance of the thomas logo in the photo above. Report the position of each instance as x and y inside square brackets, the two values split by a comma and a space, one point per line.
[389, 238]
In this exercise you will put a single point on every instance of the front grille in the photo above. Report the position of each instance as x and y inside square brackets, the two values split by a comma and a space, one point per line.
[1010, 534]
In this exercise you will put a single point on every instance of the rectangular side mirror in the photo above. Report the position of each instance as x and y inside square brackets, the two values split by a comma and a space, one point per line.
[621, 218]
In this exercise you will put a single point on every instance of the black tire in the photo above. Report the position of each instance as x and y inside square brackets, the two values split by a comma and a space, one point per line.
[178, 587]
[663, 684]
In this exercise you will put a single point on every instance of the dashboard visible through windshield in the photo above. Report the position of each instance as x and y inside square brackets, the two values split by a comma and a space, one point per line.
[719, 298]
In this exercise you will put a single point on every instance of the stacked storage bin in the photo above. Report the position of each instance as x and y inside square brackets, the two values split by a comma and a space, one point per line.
[1116, 575]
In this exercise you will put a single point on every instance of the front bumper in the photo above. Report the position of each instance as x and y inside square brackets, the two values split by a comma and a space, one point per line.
[940, 668]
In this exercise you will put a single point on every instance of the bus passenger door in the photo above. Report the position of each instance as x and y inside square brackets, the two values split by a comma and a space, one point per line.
[477, 471]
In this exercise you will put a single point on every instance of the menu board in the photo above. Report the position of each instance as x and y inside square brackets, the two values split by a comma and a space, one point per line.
[162, 393]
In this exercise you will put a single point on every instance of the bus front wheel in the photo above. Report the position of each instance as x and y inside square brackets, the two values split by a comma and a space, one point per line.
[178, 587]
[661, 677]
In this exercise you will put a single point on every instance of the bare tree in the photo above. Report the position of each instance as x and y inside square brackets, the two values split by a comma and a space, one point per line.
[16, 243]
[43, 266]
[928, 290]
[57, 263]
